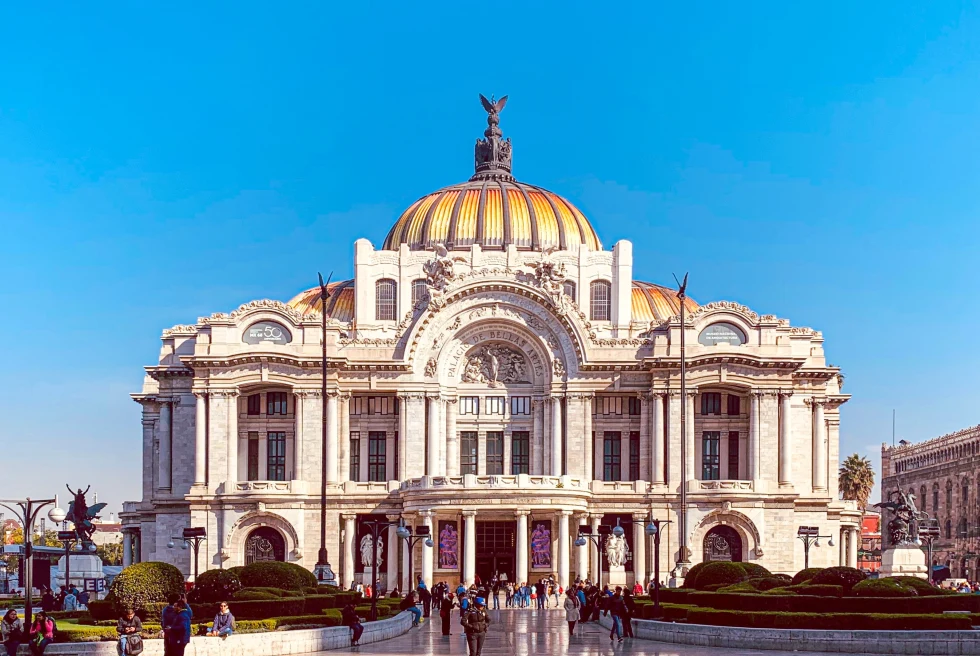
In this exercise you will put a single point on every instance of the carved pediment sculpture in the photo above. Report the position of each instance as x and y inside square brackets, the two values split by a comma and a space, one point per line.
[493, 365]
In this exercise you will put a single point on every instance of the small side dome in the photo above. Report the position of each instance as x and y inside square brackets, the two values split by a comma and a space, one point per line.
[340, 305]
[657, 303]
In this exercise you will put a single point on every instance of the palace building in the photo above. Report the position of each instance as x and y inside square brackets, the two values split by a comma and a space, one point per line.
[496, 374]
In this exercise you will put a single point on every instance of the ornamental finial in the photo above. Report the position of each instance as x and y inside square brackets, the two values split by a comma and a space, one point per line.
[493, 154]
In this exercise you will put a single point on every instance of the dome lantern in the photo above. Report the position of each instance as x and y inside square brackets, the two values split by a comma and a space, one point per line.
[493, 154]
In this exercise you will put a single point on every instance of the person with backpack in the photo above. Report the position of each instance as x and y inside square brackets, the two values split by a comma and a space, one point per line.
[42, 633]
[350, 619]
[129, 627]
[476, 622]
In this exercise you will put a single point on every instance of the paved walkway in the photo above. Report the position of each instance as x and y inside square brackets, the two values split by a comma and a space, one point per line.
[535, 633]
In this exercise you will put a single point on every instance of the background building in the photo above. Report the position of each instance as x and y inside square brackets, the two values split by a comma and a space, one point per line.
[942, 473]
[497, 375]
[869, 555]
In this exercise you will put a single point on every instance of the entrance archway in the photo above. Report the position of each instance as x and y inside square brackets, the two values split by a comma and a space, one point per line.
[264, 543]
[722, 543]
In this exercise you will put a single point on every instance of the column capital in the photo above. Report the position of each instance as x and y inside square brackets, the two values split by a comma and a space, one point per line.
[434, 397]
[307, 393]
[333, 394]
[518, 513]
[451, 400]
[785, 393]
[393, 518]
[426, 514]
[815, 401]
[565, 512]
[348, 517]
[468, 513]
[225, 393]
[200, 394]
[556, 396]
[412, 396]
[581, 396]
[640, 517]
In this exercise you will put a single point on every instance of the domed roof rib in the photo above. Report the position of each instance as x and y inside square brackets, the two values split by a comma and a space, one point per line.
[535, 239]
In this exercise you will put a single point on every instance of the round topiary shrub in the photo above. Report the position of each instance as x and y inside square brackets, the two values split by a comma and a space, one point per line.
[215, 585]
[754, 571]
[236, 570]
[273, 574]
[720, 574]
[769, 582]
[253, 595]
[692, 575]
[881, 588]
[805, 575]
[922, 587]
[846, 577]
[144, 583]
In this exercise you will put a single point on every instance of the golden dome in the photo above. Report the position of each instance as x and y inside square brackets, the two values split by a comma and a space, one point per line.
[340, 305]
[657, 303]
[492, 209]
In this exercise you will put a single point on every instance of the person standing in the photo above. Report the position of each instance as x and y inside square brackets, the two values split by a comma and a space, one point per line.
[630, 605]
[446, 613]
[541, 592]
[426, 598]
[616, 608]
[48, 602]
[350, 619]
[180, 630]
[129, 625]
[83, 598]
[476, 623]
[572, 608]
[11, 631]
[495, 590]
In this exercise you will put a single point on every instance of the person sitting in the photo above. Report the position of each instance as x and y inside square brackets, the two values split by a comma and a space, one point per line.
[409, 604]
[127, 626]
[350, 619]
[11, 631]
[42, 633]
[224, 622]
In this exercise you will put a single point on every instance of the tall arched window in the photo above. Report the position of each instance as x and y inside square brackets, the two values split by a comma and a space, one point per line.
[922, 497]
[935, 498]
[949, 496]
[601, 300]
[569, 288]
[384, 300]
[966, 492]
[961, 531]
[949, 530]
[420, 291]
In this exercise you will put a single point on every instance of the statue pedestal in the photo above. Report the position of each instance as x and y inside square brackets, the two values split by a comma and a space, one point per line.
[83, 566]
[904, 560]
[368, 576]
[617, 576]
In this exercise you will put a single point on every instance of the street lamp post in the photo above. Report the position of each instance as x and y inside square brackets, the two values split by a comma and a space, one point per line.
[324, 573]
[682, 517]
[929, 533]
[68, 539]
[406, 533]
[6, 577]
[810, 535]
[653, 528]
[192, 537]
[27, 510]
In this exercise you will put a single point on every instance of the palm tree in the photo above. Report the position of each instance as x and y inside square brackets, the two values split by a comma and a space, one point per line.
[856, 479]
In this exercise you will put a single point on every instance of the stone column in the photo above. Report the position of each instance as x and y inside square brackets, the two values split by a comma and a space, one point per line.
[819, 447]
[587, 438]
[556, 424]
[785, 439]
[298, 437]
[674, 440]
[522, 546]
[452, 439]
[689, 465]
[640, 549]
[332, 446]
[842, 535]
[469, 546]
[657, 431]
[754, 453]
[164, 458]
[564, 548]
[537, 437]
[127, 548]
[231, 478]
[402, 439]
[414, 454]
[428, 553]
[343, 439]
[393, 540]
[350, 537]
[200, 438]
[407, 555]
[581, 553]
[432, 448]
[852, 548]
[596, 569]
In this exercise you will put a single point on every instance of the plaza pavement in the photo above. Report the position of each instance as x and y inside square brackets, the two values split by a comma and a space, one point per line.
[535, 633]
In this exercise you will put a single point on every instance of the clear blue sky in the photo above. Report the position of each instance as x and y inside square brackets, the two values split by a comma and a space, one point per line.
[819, 162]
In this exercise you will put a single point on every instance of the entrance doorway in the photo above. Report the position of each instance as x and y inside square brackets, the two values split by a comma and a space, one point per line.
[495, 550]
[722, 543]
[264, 543]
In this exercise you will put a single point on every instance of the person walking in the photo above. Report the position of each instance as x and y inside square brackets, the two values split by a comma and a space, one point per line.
[616, 608]
[42, 633]
[476, 623]
[446, 613]
[128, 628]
[541, 591]
[630, 605]
[495, 589]
[11, 631]
[349, 618]
[572, 607]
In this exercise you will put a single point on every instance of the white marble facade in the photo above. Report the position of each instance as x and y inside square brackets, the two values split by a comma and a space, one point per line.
[563, 380]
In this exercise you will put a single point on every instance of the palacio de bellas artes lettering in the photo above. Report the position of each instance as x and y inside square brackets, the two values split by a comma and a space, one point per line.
[493, 373]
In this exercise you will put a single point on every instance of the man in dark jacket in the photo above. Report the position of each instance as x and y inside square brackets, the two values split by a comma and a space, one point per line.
[350, 619]
[541, 592]
[426, 598]
[616, 608]
[476, 621]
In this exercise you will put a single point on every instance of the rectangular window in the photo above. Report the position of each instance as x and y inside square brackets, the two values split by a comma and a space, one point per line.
[569, 288]
[469, 405]
[275, 403]
[253, 455]
[276, 456]
[384, 303]
[420, 291]
[711, 403]
[381, 405]
[601, 301]
[610, 405]
[495, 405]
[254, 404]
[520, 405]
[612, 446]
[733, 454]
[495, 452]
[394, 457]
[377, 452]
[520, 453]
[357, 405]
[468, 455]
[710, 455]
[355, 456]
[634, 406]
[734, 405]
[634, 455]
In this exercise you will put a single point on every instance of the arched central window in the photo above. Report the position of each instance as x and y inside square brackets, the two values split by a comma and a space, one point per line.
[935, 498]
[601, 300]
[384, 303]
[420, 291]
[949, 497]
[568, 287]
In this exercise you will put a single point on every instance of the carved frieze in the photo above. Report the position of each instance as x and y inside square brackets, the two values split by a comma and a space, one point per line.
[495, 364]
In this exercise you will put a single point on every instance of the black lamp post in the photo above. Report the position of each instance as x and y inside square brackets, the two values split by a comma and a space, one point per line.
[810, 535]
[69, 539]
[375, 526]
[653, 528]
[324, 573]
[929, 533]
[192, 537]
[405, 533]
[682, 516]
[27, 510]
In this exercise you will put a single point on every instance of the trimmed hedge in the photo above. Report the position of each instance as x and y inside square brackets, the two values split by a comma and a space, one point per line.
[769, 582]
[253, 595]
[668, 612]
[275, 592]
[274, 574]
[101, 610]
[881, 588]
[720, 574]
[144, 583]
[922, 587]
[315, 604]
[754, 571]
[834, 621]
[846, 577]
[816, 590]
[215, 585]
[692, 575]
[805, 575]
[812, 604]
[260, 610]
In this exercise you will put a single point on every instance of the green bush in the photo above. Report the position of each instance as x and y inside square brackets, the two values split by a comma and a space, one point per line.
[922, 587]
[881, 588]
[692, 575]
[836, 621]
[846, 577]
[334, 615]
[799, 599]
[264, 609]
[253, 595]
[273, 574]
[754, 571]
[67, 614]
[785, 590]
[744, 587]
[341, 599]
[236, 570]
[255, 626]
[215, 585]
[315, 590]
[275, 592]
[151, 612]
[310, 621]
[669, 612]
[720, 574]
[805, 575]
[315, 604]
[769, 582]
[817, 590]
[144, 583]
[101, 610]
